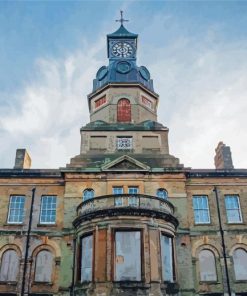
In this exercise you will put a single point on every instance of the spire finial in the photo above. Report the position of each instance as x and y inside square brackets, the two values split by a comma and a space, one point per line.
[122, 20]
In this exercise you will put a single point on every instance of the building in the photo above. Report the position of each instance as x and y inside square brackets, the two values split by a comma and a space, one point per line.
[124, 217]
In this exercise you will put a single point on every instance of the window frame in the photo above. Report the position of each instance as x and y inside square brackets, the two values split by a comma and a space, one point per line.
[87, 190]
[124, 148]
[174, 275]
[162, 190]
[215, 266]
[237, 209]
[113, 274]
[52, 267]
[50, 209]
[207, 209]
[15, 209]
[79, 277]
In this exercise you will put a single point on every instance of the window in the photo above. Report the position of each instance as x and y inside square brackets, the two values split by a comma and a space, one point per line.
[88, 194]
[133, 200]
[147, 102]
[117, 191]
[100, 102]
[86, 258]
[240, 264]
[16, 209]
[201, 209]
[48, 209]
[124, 143]
[162, 193]
[9, 266]
[233, 211]
[128, 256]
[167, 258]
[124, 111]
[43, 266]
[207, 266]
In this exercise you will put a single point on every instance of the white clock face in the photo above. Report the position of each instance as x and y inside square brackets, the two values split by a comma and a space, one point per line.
[122, 49]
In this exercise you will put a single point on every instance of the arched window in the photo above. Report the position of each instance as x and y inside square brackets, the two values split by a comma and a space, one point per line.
[43, 266]
[240, 264]
[124, 111]
[87, 194]
[162, 193]
[207, 266]
[9, 266]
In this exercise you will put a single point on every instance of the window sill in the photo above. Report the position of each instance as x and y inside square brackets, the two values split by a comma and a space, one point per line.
[8, 283]
[240, 281]
[13, 224]
[46, 225]
[42, 283]
[235, 223]
[209, 282]
[203, 224]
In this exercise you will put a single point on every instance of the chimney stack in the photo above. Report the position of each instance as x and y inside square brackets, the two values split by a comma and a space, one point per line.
[223, 157]
[22, 159]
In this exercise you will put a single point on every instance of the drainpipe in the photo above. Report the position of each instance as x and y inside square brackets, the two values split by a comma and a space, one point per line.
[72, 287]
[222, 240]
[27, 244]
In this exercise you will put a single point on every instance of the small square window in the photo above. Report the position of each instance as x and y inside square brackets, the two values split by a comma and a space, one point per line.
[124, 143]
[201, 209]
[48, 210]
[233, 210]
[16, 209]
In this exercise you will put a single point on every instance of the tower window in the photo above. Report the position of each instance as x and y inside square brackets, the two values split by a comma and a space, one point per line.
[147, 103]
[124, 111]
[124, 143]
[100, 102]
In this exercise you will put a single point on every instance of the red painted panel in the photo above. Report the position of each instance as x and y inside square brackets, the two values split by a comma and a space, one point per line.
[124, 110]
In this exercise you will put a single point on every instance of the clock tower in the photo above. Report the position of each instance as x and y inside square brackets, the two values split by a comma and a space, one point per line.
[123, 112]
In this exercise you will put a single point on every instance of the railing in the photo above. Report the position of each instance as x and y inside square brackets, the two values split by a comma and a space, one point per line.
[118, 201]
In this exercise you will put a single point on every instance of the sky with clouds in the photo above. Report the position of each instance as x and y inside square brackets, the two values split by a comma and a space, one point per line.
[50, 52]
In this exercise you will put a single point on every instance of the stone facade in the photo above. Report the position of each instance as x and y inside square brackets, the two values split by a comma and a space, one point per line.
[124, 217]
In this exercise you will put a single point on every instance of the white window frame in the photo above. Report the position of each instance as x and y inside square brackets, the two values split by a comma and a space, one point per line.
[87, 191]
[52, 208]
[238, 209]
[133, 200]
[16, 209]
[201, 209]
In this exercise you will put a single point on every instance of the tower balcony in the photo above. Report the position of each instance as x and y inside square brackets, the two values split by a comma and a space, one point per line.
[125, 205]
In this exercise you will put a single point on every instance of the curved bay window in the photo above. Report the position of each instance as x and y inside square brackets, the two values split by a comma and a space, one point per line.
[124, 110]
[88, 194]
[207, 266]
[162, 193]
[9, 266]
[240, 264]
[86, 258]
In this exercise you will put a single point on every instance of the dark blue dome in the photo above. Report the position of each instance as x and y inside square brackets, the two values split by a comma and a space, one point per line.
[123, 71]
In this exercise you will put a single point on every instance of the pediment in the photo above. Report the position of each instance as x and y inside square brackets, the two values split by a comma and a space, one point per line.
[125, 163]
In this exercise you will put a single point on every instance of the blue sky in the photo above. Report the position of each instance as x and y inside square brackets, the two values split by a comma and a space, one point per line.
[50, 51]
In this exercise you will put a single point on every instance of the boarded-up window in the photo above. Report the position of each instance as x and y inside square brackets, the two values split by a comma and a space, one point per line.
[207, 266]
[124, 110]
[9, 266]
[86, 258]
[43, 267]
[128, 256]
[240, 264]
[167, 258]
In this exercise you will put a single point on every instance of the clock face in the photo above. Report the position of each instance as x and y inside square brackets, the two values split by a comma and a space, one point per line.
[122, 49]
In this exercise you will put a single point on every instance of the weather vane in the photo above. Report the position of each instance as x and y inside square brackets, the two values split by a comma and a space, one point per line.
[121, 18]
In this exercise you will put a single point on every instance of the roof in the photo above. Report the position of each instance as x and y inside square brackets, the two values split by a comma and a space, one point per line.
[122, 32]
